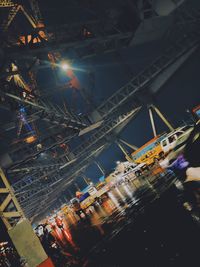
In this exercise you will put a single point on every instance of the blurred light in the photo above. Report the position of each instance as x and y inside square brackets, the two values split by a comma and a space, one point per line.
[39, 146]
[65, 66]
[114, 200]
[30, 139]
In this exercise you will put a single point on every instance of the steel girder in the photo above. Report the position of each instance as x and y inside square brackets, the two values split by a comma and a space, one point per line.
[154, 87]
[54, 115]
[83, 49]
[166, 61]
[53, 195]
[101, 133]
[10, 210]
[148, 75]
[33, 192]
[6, 3]
[31, 180]
[105, 130]
[32, 203]
[170, 56]
[48, 142]
[40, 166]
[79, 151]
[36, 167]
[56, 162]
[49, 112]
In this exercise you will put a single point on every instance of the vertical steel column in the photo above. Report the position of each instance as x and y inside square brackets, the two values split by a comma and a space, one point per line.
[124, 152]
[7, 198]
[100, 167]
[152, 121]
[166, 122]
[129, 145]
[85, 179]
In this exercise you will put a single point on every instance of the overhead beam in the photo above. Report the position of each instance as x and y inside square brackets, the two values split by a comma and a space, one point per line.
[169, 57]
[10, 210]
[99, 140]
[186, 46]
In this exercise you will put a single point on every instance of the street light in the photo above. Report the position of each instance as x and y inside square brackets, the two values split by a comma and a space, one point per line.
[65, 66]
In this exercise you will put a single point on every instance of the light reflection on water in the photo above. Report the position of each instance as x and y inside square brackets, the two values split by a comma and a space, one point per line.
[104, 222]
[128, 190]
[112, 211]
[120, 194]
[115, 201]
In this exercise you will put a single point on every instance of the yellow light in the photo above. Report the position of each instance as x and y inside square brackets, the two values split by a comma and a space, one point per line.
[30, 139]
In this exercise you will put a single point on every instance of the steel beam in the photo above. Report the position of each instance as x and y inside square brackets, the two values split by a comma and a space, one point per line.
[50, 113]
[160, 64]
[83, 49]
[8, 200]
[96, 142]
[147, 76]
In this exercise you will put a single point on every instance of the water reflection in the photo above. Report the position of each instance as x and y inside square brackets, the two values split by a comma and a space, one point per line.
[120, 194]
[115, 201]
[128, 190]
[104, 221]
[107, 218]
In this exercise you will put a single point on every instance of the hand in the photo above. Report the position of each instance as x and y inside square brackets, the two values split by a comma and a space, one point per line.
[179, 164]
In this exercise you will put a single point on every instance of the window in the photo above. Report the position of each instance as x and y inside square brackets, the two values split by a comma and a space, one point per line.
[172, 139]
[164, 143]
[179, 134]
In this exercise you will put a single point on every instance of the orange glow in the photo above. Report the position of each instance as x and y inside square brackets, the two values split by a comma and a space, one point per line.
[30, 139]
[42, 34]
[74, 82]
[79, 194]
[28, 38]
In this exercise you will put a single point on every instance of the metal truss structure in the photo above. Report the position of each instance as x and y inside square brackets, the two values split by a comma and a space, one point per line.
[97, 139]
[119, 99]
[84, 49]
[134, 89]
[47, 111]
[39, 185]
[136, 84]
[10, 210]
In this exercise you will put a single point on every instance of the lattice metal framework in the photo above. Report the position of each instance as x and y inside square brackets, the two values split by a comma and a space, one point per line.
[10, 210]
[169, 57]
[105, 137]
[148, 75]
[29, 190]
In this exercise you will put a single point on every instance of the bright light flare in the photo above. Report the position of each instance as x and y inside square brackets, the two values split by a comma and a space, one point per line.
[65, 66]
